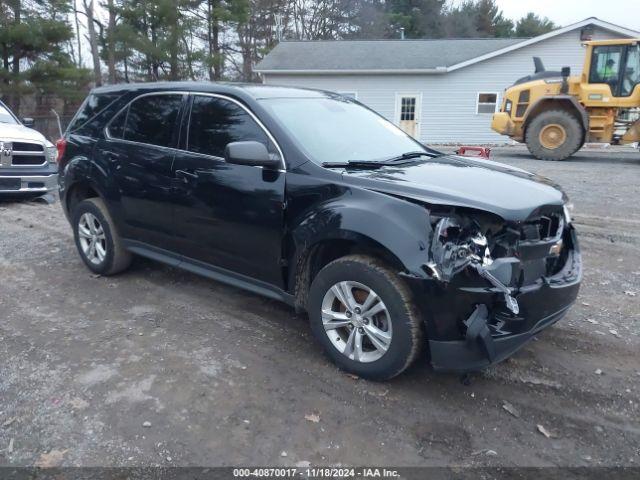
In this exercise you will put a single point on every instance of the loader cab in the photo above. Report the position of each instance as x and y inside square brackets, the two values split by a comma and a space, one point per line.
[617, 65]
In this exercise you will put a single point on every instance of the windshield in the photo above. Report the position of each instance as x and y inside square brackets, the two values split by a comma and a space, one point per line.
[5, 115]
[332, 130]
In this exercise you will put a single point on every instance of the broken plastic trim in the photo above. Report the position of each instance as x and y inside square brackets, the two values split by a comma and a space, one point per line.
[454, 248]
[478, 331]
[512, 303]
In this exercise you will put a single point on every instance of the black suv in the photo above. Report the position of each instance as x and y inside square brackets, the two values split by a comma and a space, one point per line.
[313, 199]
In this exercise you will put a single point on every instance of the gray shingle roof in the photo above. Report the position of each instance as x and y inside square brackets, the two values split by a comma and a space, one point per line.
[368, 55]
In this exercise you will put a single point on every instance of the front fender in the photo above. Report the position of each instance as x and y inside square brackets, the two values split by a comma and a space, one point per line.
[399, 226]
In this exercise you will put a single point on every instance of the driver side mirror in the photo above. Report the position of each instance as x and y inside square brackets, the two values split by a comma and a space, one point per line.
[28, 122]
[250, 153]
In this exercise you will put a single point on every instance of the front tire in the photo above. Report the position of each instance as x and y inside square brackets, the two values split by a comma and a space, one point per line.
[97, 240]
[362, 314]
[554, 135]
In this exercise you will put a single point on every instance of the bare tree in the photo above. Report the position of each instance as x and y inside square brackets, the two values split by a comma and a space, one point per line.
[110, 42]
[78, 36]
[93, 40]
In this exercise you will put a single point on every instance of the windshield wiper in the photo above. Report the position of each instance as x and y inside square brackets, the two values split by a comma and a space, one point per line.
[354, 163]
[378, 163]
[407, 156]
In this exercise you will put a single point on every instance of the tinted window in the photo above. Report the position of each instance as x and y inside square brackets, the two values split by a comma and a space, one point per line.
[116, 127]
[152, 119]
[92, 106]
[215, 122]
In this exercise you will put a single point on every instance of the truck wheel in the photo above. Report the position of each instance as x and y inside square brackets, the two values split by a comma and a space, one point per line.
[362, 313]
[97, 240]
[554, 135]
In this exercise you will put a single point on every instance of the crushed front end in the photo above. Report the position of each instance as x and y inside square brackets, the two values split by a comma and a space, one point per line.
[493, 284]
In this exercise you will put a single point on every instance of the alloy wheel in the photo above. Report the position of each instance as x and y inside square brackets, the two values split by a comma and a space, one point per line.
[92, 238]
[356, 321]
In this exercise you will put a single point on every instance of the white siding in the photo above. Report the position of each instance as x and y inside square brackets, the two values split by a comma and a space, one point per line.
[449, 100]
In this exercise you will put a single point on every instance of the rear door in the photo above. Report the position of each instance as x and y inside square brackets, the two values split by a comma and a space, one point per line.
[229, 216]
[137, 155]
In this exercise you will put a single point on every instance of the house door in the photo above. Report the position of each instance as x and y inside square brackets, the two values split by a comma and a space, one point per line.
[408, 114]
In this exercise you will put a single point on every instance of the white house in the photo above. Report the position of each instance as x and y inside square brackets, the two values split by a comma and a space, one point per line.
[440, 91]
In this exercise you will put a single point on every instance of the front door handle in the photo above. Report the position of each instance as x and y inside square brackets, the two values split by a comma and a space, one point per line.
[186, 176]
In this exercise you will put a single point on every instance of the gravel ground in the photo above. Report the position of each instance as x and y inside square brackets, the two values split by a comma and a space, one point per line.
[160, 367]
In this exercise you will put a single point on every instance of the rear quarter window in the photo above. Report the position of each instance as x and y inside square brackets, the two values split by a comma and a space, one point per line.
[86, 120]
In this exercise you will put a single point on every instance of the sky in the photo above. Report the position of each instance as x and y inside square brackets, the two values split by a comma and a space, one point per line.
[625, 13]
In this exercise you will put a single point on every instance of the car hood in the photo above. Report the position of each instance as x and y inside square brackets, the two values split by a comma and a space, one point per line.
[509, 192]
[20, 132]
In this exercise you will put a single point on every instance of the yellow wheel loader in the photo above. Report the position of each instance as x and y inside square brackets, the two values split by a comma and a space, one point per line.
[555, 113]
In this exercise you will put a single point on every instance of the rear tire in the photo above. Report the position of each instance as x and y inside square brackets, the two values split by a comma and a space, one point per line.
[97, 240]
[389, 340]
[554, 135]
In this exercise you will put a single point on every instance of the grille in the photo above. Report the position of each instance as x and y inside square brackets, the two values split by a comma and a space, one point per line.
[27, 147]
[28, 159]
[28, 154]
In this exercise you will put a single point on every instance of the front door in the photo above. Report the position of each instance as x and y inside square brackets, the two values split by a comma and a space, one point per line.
[229, 216]
[137, 157]
[407, 114]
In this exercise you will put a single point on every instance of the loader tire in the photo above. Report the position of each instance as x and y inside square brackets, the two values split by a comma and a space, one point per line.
[554, 135]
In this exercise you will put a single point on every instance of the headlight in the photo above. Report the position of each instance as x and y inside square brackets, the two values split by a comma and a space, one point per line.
[51, 154]
[568, 212]
[454, 247]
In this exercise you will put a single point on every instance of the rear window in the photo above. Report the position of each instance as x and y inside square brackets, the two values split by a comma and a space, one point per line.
[90, 109]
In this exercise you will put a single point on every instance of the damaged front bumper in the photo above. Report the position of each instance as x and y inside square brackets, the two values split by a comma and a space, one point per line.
[471, 323]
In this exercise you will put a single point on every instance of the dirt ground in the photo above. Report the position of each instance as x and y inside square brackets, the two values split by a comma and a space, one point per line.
[161, 367]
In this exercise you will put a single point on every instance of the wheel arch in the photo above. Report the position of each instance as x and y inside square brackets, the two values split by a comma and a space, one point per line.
[80, 190]
[399, 240]
[567, 103]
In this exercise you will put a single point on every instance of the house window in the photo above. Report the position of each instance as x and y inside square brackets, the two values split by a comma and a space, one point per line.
[408, 108]
[487, 103]
[352, 95]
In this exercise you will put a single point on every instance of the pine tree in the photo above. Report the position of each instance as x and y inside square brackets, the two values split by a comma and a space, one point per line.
[477, 19]
[532, 25]
[32, 36]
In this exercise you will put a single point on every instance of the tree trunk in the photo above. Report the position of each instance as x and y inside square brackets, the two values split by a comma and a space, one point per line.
[210, 39]
[174, 38]
[218, 59]
[93, 42]
[111, 44]
[15, 70]
[78, 36]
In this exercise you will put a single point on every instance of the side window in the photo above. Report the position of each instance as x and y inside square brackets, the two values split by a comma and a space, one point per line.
[116, 127]
[487, 103]
[605, 65]
[631, 74]
[92, 107]
[215, 122]
[152, 119]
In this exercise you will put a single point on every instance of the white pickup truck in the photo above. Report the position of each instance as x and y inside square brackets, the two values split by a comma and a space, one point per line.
[27, 159]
